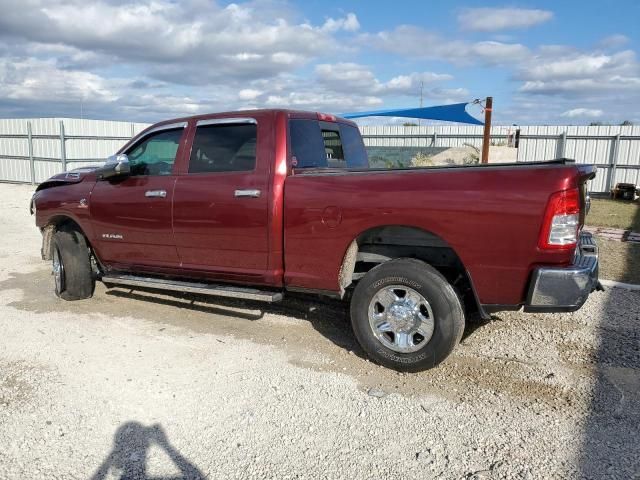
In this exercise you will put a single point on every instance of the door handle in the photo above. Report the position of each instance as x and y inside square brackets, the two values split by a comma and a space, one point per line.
[247, 193]
[155, 193]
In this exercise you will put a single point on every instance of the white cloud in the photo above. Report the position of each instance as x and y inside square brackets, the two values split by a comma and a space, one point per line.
[360, 80]
[409, 84]
[449, 95]
[38, 80]
[32, 86]
[207, 41]
[249, 94]
[579, 73]
[495, 19]
[416, 42]
[349, 23]
[583, 113]
[322, 101]
[614, 41]
[606, 86]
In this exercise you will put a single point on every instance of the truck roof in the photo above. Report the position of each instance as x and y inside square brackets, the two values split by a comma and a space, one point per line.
[308, 114]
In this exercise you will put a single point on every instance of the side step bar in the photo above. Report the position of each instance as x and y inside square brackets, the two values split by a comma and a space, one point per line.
[216, 290]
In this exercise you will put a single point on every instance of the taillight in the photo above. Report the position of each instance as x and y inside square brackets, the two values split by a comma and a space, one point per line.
[561, 221]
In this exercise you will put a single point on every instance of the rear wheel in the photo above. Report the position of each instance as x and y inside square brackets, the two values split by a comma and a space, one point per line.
[406, 315]
[71, 265]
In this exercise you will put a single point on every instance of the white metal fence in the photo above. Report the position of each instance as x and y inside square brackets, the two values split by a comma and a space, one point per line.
[614, 149]
[31, 150]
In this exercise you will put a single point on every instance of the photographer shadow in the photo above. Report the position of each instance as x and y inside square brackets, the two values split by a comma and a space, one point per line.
[128, 458]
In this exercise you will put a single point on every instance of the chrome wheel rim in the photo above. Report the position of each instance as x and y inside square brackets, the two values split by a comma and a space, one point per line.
[401, 318]
[57, 271]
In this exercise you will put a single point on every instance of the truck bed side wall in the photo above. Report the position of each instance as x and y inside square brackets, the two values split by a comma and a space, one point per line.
[490, 217]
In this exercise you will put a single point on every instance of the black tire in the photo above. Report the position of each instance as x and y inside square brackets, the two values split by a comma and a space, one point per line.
[448, 315]
[76, 279]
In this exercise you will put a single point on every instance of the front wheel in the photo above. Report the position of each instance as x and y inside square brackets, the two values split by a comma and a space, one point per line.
[406, 315]
[71, 265]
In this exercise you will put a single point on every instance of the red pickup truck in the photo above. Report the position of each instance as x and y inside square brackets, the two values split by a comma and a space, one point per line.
[257, 203]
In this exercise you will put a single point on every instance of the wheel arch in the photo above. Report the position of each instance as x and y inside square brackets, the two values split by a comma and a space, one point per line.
[54, 224]
[379, 244]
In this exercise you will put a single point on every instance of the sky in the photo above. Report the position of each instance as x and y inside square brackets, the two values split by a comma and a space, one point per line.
[543, 62]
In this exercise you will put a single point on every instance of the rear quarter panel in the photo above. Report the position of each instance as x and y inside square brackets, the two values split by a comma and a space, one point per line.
[490, 216]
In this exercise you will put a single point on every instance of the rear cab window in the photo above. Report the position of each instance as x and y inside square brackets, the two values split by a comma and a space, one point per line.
[319, 144]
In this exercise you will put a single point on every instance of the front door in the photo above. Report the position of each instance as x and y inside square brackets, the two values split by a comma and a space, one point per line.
[220, 206]
[132, 216]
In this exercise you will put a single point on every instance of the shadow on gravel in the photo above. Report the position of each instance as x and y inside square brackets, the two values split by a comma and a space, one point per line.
[610, 442]
[203, 305]
[128, 458]
[328, 316]
[476, 323]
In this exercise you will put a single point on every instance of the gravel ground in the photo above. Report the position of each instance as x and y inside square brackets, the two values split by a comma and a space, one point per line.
[135, 385]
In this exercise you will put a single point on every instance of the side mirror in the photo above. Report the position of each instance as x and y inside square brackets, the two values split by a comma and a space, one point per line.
[115, 166]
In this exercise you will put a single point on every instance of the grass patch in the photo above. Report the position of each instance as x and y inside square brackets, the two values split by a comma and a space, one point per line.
[619, 261]
[615, 214]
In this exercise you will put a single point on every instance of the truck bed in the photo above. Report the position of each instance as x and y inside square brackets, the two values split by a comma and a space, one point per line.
[490, 215]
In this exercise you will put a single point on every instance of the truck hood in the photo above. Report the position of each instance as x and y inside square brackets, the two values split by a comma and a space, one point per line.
[72, 176]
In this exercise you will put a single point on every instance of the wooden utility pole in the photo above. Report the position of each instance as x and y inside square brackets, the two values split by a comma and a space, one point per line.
[488, 107]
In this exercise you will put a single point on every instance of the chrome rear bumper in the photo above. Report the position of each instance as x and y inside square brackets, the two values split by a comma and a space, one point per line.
[565, 289]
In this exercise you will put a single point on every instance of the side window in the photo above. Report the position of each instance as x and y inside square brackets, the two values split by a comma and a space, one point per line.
[224, 148]
[155, 154]
[317, 144]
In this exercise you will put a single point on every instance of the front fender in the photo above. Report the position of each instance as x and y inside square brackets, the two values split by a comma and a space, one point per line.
[70, 202]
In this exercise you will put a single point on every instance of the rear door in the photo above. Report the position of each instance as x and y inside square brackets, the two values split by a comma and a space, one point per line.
[132, 215]
[220, 206]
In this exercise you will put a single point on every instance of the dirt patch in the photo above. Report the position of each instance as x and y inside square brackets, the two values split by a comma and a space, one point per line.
[17, 381]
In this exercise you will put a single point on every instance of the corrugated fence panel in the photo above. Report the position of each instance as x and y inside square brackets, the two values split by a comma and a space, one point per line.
[46, 148]
[86, 142]
[45, 170]
[538, 143]
[14, 170]
[629, 153]
[10, 126]
[92, 149]
[14, 146]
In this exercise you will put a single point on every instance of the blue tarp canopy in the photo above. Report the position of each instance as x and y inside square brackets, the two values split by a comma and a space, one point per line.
[449, 113]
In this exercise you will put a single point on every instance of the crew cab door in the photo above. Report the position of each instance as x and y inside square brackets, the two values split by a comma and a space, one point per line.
[220, 205]
[132, 215]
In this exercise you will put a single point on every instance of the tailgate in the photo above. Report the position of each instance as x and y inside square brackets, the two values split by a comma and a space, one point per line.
[585, 173]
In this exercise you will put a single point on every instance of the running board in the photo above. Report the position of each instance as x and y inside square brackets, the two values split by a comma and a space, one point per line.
[216, 290]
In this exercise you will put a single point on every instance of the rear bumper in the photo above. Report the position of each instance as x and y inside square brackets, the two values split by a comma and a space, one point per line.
[565, 289]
